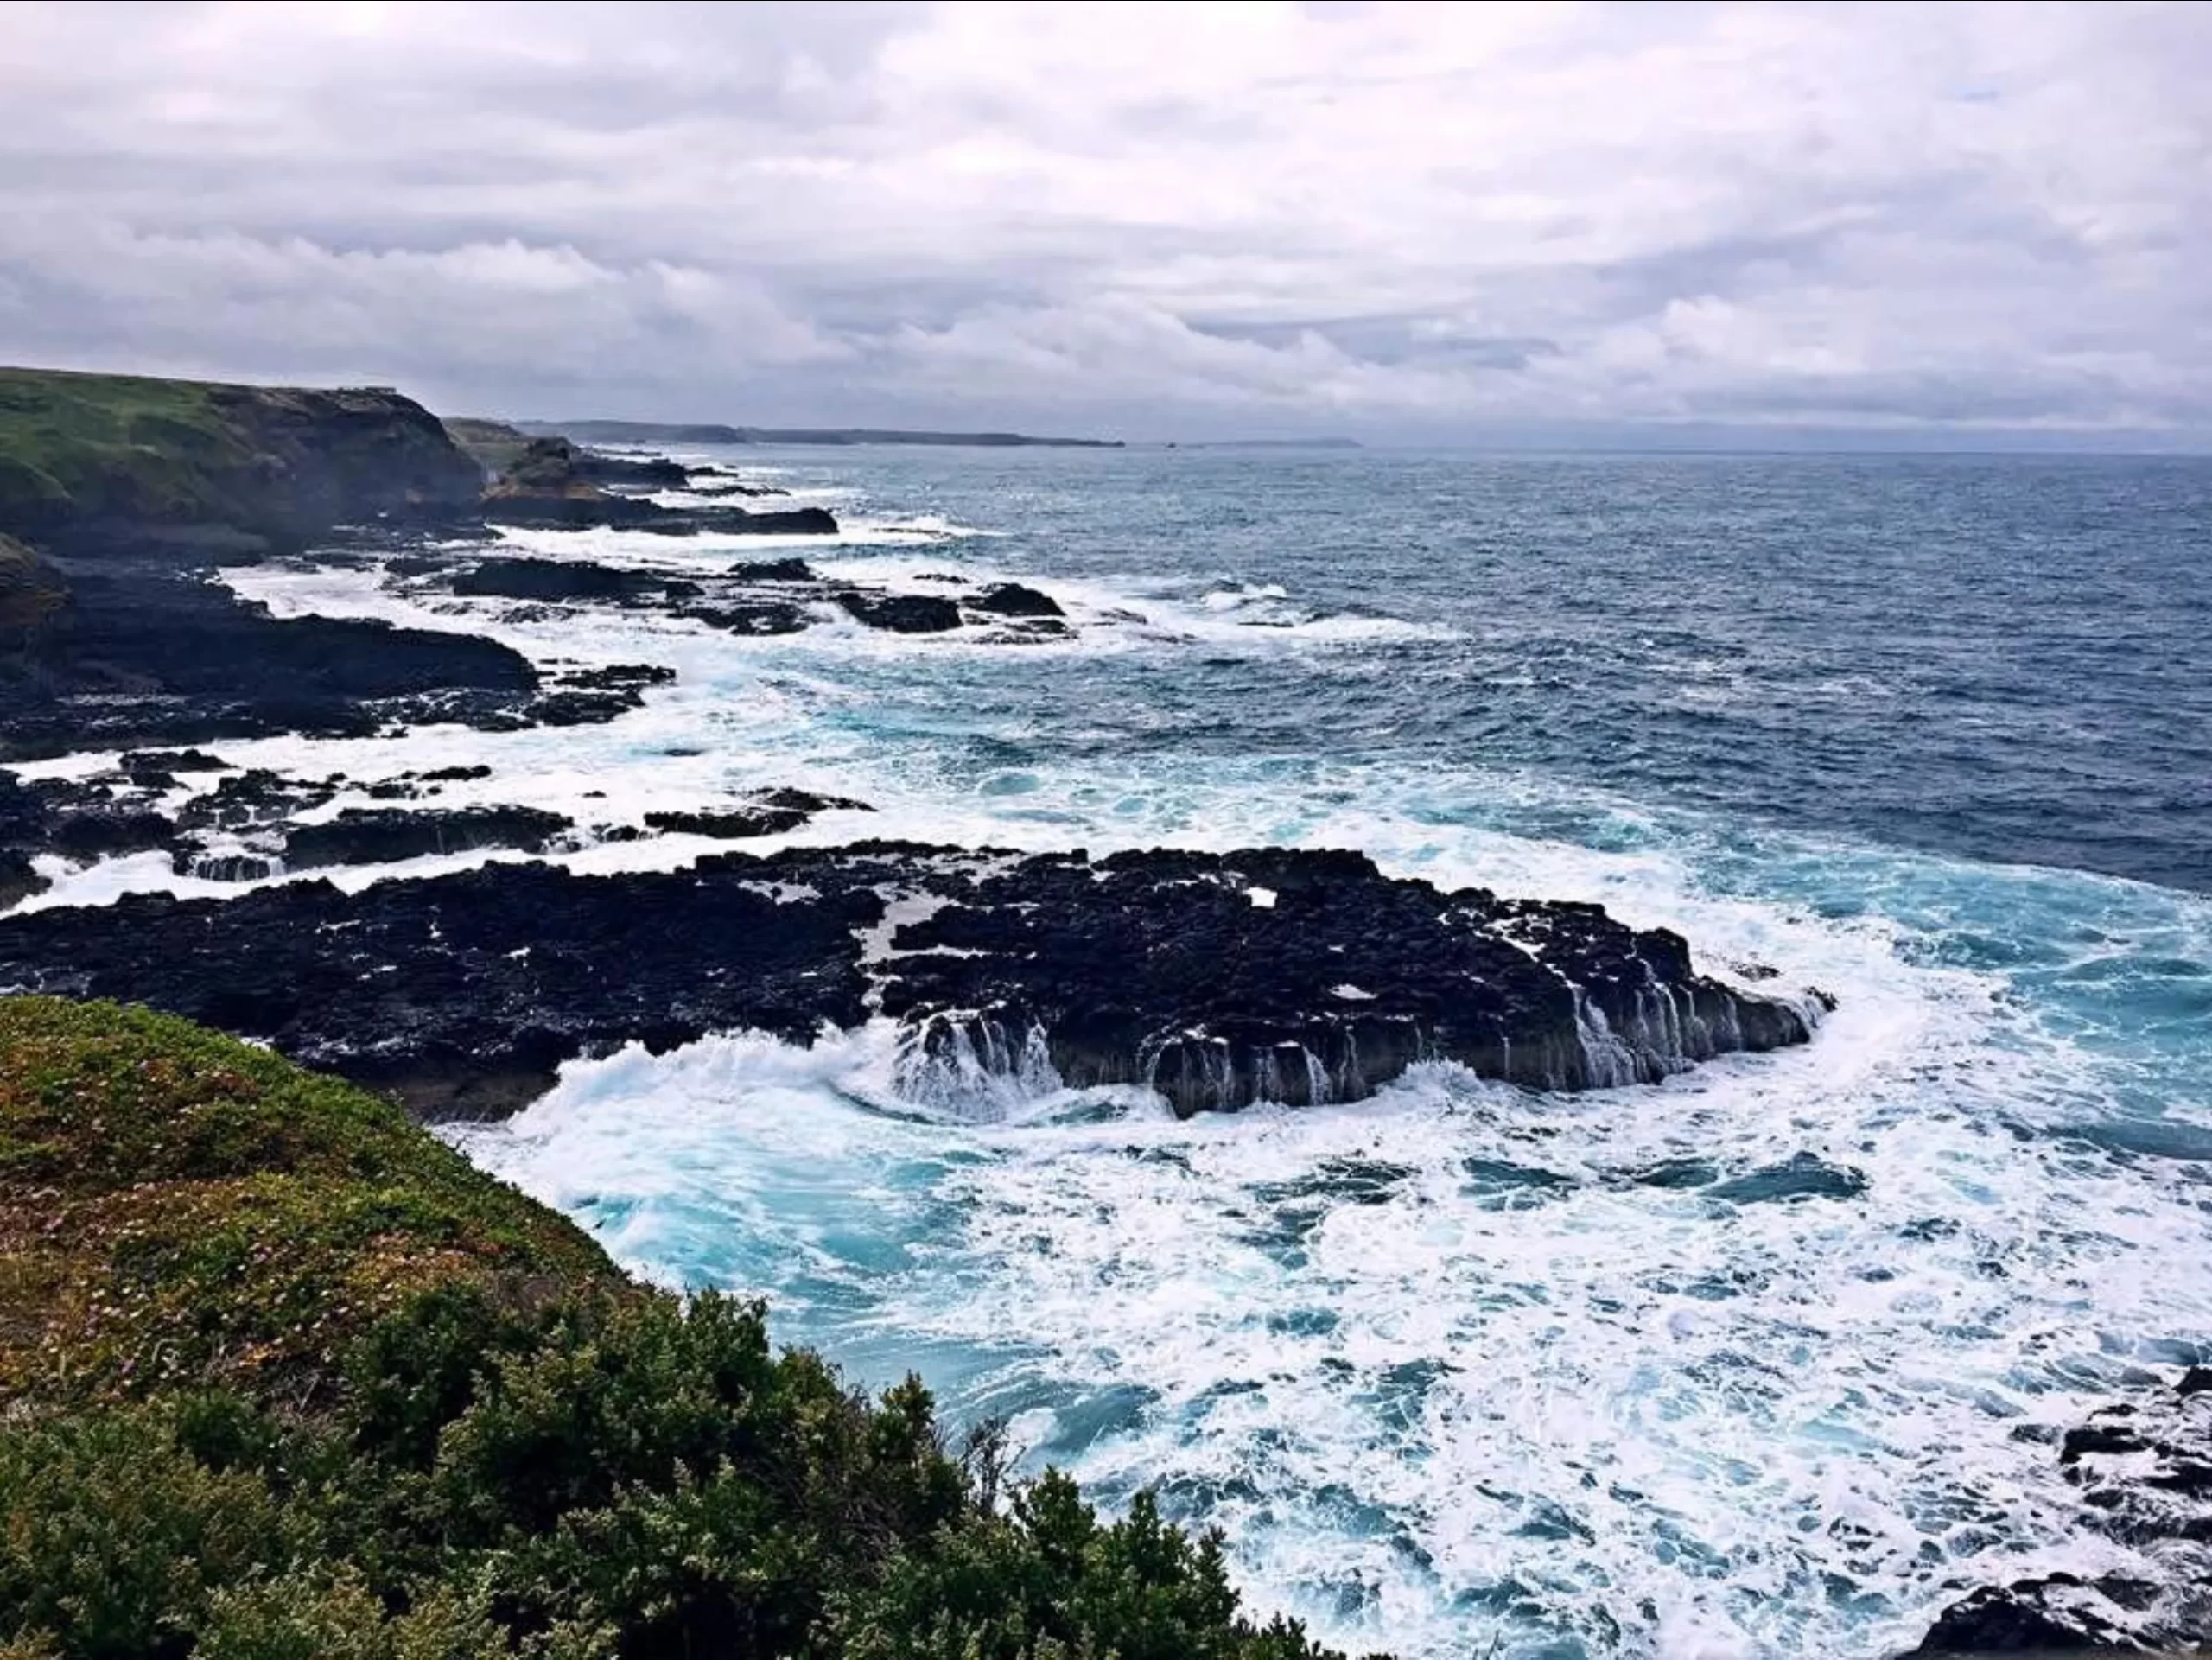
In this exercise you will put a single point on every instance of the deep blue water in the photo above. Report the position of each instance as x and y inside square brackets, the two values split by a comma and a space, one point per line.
[1465, 1366]
[2006, 658]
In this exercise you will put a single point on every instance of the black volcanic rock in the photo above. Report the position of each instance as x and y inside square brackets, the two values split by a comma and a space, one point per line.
[553, 485]
[902, 614]
[728, 825]
[1295, 976]
[144, 654]
[600, 509]
[773, 570]
[2053, 1616]
[19, 880]
[1013, 600]
[807, 801]
[635, 473]
[2143, 1467]
[253, 799]
[378, 836]
[464, 991]
[173, 761]
[462, 994]
[566, 579]
[100, 833]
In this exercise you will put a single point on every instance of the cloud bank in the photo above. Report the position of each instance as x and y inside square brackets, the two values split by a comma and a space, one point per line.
[1423, 221]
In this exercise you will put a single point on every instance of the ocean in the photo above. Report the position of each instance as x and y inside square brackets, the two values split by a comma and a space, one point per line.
[1761, 1361]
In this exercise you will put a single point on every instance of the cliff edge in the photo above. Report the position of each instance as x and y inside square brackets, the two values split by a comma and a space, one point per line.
[91, 464]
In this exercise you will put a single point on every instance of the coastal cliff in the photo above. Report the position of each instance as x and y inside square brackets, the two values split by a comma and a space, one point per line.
[103, 462]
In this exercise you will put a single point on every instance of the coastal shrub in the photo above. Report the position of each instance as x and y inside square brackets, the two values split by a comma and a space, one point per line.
[489, 1443]
[113, 1538]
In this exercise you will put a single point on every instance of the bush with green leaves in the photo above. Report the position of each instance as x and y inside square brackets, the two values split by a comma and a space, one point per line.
[505, 1451]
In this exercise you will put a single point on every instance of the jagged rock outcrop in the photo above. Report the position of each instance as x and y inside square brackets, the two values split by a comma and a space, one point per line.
[902, 614]
[1218, 979]
[1013, 600]
[370, 836]
[1224, 979]
[568, 580]
[144, 654]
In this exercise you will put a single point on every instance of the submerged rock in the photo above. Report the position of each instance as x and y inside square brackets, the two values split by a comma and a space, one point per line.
[1218, 979]
[763, 617]
[1802, 1176]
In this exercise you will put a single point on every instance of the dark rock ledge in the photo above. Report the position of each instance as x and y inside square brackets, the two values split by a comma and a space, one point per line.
[2143, 1470]
[1220, 980]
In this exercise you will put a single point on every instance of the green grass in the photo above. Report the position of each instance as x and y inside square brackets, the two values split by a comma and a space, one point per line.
[76, 446]
[282, 1377]
[124, 451]
[493, 445]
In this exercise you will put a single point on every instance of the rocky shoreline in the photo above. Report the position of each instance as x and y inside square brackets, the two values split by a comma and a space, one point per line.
[1217, 980]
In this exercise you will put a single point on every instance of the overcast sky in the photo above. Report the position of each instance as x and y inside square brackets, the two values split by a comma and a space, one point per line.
[1426, 221]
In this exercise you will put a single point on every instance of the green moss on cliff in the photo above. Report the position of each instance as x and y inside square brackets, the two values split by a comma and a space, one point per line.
[281, 1375]
[79, 450]
[493, 445]
[31, 595]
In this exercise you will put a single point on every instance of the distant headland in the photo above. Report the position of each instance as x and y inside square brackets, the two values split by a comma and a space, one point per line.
[658, 432]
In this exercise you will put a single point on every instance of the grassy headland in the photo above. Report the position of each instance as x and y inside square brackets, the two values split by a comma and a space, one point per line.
[281, 1375]
[88, 454]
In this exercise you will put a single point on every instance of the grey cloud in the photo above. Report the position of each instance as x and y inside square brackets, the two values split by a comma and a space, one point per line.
[1401, 220]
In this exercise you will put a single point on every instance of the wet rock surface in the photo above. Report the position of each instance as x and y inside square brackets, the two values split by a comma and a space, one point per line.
[1013, 600]
[902, 614]
[2143, 1468]
[567, 579]
[1224, 979]
[747, 596]
[371, 836]
[146, 655]
[1218, 979]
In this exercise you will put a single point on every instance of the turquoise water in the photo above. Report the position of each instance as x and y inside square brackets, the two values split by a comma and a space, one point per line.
[1463, 1365]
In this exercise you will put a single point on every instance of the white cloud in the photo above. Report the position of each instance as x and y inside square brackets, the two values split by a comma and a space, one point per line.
[1158, 217]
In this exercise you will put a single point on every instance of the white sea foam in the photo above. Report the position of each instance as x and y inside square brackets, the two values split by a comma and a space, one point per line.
[1443, 1367]
[1440, 1364]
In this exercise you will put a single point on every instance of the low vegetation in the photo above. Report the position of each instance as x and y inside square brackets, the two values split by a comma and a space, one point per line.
[493, 445]
[87, 450]
[31, 595]
[281, 1377]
